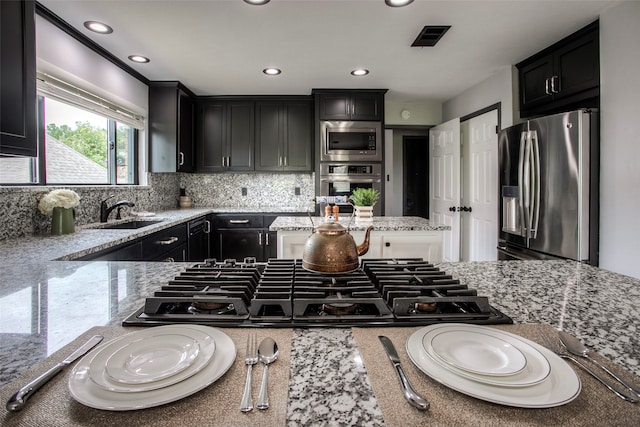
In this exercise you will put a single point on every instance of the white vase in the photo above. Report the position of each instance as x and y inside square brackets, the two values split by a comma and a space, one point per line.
[364, 213]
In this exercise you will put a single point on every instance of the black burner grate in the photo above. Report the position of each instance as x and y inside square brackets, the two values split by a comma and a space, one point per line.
[282, 293]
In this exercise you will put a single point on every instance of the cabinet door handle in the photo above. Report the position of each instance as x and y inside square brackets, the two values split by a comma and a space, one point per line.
[170, 259]
[546, 87]
[238, 221]
[260, 239]
[224, 161]
[266, 239]
[180, 158]
[554, 89]
[228, 161]
[168, 241]
[207, 229]
[285, 160]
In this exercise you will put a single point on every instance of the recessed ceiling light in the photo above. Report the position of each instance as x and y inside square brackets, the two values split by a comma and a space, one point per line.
[139, 58]
[257, 2]
[359, 72]
[98, 27]
[272, 71]
[396, 3]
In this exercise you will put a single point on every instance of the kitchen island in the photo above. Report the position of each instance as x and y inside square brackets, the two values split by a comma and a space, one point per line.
[46, 305]
[391, 237]
[328, 376]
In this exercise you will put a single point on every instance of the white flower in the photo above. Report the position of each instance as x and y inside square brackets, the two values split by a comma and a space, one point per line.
[58, 199]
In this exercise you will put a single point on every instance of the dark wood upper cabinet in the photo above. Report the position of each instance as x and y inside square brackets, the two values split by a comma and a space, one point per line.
[564, 75]
[225, 136]
[18, 108]
[351, 105]
[171, 126]
[284, 135]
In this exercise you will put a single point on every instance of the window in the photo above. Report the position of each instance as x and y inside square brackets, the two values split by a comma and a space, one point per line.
[82, 140]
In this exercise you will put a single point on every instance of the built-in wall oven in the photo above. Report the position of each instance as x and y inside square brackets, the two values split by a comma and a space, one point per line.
[350, 141]
[340, 179]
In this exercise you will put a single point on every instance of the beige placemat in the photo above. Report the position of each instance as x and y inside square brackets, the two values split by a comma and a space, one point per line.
[594, 406]
[217, 404]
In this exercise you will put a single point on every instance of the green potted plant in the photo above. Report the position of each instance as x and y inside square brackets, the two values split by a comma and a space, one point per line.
[364, 199]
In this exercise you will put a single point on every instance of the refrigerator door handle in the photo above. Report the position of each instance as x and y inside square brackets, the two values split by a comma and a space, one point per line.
[535, 196]
[526, 184]
[522, 195]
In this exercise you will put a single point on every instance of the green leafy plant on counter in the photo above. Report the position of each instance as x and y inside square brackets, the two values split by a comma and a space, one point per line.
[365, 196]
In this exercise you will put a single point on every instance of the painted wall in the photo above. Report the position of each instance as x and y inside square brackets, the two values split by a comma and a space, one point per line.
[620, 141]
[500, 87]
[421, 113]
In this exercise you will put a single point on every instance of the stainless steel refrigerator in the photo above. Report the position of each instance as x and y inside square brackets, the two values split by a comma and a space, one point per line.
[549, 188]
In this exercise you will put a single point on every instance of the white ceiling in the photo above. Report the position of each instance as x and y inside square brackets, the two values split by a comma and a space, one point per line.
[219, 47]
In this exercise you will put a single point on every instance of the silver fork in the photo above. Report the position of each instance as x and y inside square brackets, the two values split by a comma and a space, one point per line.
[250, 359]
[555, 346]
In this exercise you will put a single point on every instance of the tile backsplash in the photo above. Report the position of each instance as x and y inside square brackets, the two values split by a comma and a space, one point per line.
[21, 217]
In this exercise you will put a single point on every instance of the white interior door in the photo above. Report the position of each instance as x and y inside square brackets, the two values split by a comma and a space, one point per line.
[479, 227]
[444, 184]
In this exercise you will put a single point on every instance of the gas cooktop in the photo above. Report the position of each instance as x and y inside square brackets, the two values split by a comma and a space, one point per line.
[280, 293]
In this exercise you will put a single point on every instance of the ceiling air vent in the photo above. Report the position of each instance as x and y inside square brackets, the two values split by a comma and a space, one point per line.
[430, 35]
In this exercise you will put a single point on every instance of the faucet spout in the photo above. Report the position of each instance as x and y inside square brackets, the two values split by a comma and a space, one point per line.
[105, 211]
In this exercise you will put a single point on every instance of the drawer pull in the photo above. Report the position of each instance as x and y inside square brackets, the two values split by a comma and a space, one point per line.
[238, 221]
[169, 241]
[170, 259]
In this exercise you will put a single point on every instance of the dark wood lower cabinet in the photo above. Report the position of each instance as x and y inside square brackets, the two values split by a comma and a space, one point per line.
[237, 236]
[166, 245]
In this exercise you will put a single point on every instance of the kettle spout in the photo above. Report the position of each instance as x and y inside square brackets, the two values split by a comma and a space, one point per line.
[364, 247]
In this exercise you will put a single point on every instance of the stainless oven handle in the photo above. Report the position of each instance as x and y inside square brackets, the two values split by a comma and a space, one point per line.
[354, 180]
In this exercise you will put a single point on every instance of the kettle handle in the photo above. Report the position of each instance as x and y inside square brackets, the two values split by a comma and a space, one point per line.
[312, 203]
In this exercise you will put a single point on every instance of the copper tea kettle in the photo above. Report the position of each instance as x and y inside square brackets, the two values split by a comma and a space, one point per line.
[331, 249]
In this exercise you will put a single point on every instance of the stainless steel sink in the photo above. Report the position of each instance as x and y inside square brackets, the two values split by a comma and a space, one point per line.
[130, 225]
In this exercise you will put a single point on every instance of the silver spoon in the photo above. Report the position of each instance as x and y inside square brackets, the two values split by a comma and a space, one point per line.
[576, 347]
[267, 353]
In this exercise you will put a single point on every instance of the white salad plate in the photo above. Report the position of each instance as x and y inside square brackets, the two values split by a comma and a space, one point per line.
[97, 365]
[536, 366]
[85, 391]
[152, 359]
[561, 386]
[477, 352]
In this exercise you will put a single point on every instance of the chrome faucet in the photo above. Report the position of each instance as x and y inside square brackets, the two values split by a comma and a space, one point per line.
[105, 211]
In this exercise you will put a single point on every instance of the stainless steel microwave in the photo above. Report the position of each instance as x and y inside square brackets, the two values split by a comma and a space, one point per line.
[350, 141]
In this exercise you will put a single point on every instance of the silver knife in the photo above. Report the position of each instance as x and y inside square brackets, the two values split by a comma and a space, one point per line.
[19, 399]
[409, 393]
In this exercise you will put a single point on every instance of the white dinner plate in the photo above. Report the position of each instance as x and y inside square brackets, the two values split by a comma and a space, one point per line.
[477, 352]
[88, 393]
[152, 358]
[98, 373]
[536, 368]
[560, 387]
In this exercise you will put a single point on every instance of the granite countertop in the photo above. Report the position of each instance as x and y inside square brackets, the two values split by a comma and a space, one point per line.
[46, 304]
[380, 223]
[91, 238]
